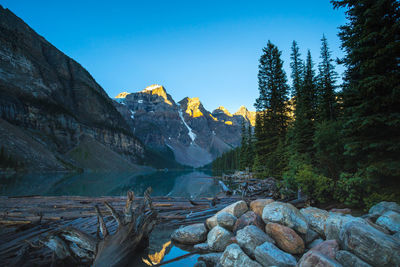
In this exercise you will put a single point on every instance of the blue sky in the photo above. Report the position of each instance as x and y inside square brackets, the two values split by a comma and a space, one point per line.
[208, 49]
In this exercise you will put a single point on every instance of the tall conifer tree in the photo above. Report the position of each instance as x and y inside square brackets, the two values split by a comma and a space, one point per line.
[371, 93]
[327, 109]
[272, 118]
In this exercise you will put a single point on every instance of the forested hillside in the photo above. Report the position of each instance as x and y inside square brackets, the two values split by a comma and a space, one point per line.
[343, 141]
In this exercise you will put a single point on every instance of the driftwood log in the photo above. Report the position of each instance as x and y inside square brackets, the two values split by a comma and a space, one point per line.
[72, 246]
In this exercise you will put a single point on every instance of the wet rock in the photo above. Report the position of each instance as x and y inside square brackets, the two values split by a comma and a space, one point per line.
[316, 218]
[328, 248]
[348, 259]
[369, 244]
[285, 214]
[286, 239]
[236, 209]
[315, 242]
[268, 255]
[377, 227]
[251, 237]
[211, 259]
[202, 247]
[249, 218]
[390, 220]
[310, 236]
[334, 224]
[343, 211]
[226, 220]
[258, 205]
[233, 256]
[219, 238]
[382, 207]
[191, 234]
[314, 258]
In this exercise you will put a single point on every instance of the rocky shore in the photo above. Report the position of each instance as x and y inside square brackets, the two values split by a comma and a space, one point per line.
[265, 232]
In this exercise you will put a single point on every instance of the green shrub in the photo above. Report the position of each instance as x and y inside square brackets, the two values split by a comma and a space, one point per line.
[351, 189]
[317, 187]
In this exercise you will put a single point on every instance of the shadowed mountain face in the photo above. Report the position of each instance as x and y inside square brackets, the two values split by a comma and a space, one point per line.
[50, 102]
[195, 135]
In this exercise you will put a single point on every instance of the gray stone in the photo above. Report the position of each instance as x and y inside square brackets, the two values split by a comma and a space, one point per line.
[310, 236]
[191, 234]
[268, 254]
[202, 247]
[334, 224]
[285, 214]
[211, 259]
[390, 220]
[315, 243]
[219, 238]
[251, 237]
[315, 258]
[233, 256]
[369, 244]
[397, 236]
[348, 259]
[236, 209]
[316, 218]
[226, 220]
[328, 248]
[248, 218]
[384, 206]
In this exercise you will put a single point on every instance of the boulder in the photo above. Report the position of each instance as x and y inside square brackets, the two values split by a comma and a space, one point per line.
[390, 220]
[286, 239]
[191, 234]
[328, 248]
[233, 256]
[316, 218]
[226, 220]
[382, 207]
[315, 242]
[268, 255]
[343, 211]
[348, 259]
[202, 247]
[377, 227]
[219, 238]
[310, 236]
[249, 218]
[334, 224]
[211, 259]
[314, 258]
[285, 214]
[251, 237]
[397, 236]
[236, 209]
[369, 244]
[258, 205]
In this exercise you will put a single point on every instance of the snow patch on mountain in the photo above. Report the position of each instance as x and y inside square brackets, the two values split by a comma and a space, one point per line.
[192, 135]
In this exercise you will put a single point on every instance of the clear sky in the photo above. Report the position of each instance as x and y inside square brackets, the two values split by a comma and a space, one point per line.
[208, 49]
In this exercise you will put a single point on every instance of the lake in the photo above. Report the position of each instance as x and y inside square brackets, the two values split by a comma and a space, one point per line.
[191, 184]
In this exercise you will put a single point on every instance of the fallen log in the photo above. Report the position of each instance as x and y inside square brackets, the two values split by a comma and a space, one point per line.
[134, 226]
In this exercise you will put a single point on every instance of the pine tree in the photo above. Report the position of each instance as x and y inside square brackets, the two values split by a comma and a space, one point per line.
[305, 111]
[297, 67]
[327, 109]
[244, 148]
[272, 108]
[371, 93]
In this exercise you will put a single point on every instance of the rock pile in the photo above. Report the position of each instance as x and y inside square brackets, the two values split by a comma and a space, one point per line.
[272, 233]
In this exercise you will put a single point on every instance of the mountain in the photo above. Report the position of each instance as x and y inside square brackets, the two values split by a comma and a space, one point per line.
[193, 134]
[53, 114]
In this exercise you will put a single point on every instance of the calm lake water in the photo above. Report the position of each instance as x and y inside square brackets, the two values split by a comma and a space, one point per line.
[172, 183]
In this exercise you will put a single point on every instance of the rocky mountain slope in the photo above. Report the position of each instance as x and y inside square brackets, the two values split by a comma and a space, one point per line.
[52, 110]
[195, 135]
